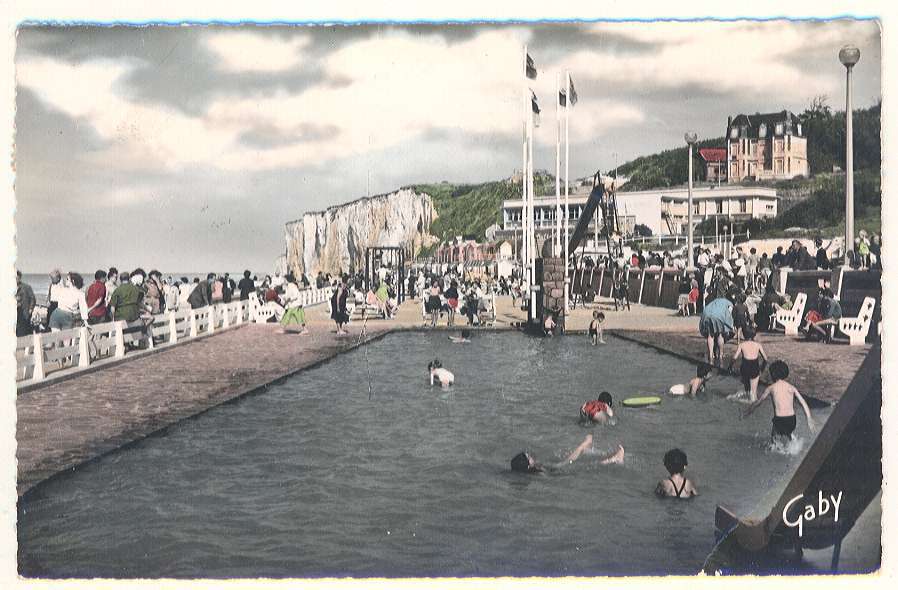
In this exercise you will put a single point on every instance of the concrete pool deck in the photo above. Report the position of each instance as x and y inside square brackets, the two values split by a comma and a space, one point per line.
[64, 424]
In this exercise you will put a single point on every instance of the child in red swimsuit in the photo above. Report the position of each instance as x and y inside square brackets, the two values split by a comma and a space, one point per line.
[598, 410]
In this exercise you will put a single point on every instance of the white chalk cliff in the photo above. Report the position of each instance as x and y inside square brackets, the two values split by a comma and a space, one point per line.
[335, 239]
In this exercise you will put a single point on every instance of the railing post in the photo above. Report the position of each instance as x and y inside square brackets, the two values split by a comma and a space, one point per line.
[38, 374]
[149, 334]
[641, 285]
[226, 321]
[239, 319]
[193, 328]
[83, 350]
[172, 328]
[211, 322]
[119, 339]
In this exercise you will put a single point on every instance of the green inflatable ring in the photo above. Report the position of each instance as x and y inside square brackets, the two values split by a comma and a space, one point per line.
[641, 402]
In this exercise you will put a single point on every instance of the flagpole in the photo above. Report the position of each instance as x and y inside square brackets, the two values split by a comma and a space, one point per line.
[556, 233]
[531, 238]
[524, 169]
[567, 168]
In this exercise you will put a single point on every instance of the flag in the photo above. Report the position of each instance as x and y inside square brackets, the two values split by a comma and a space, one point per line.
[535, 106]
[530, 70]
[562, 96]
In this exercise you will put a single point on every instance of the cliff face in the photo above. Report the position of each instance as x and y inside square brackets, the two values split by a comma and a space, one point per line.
[334, 240]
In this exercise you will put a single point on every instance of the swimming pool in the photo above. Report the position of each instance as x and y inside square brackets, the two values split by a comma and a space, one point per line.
[312, 478]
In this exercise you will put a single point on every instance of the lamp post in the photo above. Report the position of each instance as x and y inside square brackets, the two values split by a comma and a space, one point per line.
[849, 56]
[690, 141]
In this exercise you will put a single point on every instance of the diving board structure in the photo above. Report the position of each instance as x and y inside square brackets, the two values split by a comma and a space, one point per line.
[846, 457]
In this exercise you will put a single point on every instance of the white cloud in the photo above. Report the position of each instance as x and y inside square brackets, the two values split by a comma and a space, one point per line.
[241, 51]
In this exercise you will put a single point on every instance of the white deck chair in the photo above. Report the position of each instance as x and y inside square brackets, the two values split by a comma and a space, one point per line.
[790, 319]
[856, 328]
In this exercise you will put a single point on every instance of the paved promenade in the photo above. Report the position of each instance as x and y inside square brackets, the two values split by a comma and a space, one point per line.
[63, 424]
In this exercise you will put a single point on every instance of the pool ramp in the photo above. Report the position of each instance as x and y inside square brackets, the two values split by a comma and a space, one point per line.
[846, 457]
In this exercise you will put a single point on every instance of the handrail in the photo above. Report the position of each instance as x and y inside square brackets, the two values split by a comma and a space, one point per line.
[40, 355]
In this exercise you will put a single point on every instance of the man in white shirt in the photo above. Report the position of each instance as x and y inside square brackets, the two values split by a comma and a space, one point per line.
[111, 283]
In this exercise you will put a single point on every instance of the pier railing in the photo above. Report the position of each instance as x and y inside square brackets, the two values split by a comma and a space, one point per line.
[39, 356]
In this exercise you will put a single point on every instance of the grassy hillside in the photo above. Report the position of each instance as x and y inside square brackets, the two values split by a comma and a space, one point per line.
[667, 168]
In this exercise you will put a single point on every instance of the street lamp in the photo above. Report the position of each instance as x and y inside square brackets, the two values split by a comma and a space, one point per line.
[849, 56]
[690, 141]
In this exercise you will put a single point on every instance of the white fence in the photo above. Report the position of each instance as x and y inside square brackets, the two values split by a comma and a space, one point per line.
[41, 355]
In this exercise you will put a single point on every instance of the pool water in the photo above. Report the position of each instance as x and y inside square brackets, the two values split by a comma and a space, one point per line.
[312, 478]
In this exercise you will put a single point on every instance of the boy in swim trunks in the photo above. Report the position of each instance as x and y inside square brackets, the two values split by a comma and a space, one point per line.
[598, 410]
[438, 373]
[595, 328]
[783, 395]
[525, 463]
[752, 354]
[676, 486]
[696, 385]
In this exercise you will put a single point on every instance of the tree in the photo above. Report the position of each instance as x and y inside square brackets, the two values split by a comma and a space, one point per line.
[642, 230]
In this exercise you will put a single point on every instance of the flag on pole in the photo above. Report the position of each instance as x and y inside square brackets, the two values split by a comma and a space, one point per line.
[562, 96]
[534, 105]
[530, 70]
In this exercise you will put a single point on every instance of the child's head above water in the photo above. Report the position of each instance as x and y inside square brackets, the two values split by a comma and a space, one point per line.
[778, 370]
[675, 461]
[466, 334]
[703, 370]
[605, 398]
[522, 463]
[748, 333]
[434, 364]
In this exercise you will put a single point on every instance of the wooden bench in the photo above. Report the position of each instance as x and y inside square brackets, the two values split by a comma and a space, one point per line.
[856, 328]
[790, 319]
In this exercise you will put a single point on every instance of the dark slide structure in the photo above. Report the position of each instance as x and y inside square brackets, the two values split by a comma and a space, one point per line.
[846, 457]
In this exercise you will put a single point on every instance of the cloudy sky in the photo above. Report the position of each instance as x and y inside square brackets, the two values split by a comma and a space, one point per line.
[187, 148]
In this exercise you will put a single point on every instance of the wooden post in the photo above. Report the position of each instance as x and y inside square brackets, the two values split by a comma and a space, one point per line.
[193, 328]
[660, 284]
[119, 339]
[149, 334]
[226, 321]
[38, 374]
[601, 280]
[172, 328]
[83, 350]
[211, 323]
[641, 285]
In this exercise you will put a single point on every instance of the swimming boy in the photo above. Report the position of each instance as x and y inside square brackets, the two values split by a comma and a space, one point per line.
[549, 325]
[525, 463]
[438, 373]
[752, 354]
[595, 328]
[696, 385]
[676, 486]
[598, 410]
[783, 395]
[464, 338]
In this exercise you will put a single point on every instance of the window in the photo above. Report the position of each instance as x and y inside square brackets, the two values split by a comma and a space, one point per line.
[762, 130]
[734, 133]
[770, 207]
[799, 129]
[743, 206]
[779, 128]
[718, 206]
[695, 209]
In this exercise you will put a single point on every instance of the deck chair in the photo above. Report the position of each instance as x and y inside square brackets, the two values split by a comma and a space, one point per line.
[790, 319]
[856, 328]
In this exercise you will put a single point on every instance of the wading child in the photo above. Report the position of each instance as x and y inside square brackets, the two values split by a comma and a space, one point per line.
[595, 328]
[752, 355]
[696, 385]
[598, 410]
[525, 463]
[549, 325]
[464, 338]
[438, 373]
[676, 486]
[783, 396]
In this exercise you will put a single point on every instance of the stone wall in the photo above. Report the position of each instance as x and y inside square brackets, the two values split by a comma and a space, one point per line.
[552, 288]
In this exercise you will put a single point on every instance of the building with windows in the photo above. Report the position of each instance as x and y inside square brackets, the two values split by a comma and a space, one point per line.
[715, 163]
[663, 210]
[771, 146]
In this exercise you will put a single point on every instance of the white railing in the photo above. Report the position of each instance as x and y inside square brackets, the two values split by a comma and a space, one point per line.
[40, 355]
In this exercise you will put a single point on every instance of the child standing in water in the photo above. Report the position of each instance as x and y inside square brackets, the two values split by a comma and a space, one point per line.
[676, 486]
[438, 373]
[783, 395]
[751, 353]
[695, 385]
[595, 328]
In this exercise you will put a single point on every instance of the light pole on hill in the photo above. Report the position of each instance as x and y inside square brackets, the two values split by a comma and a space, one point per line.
[849, 55]
[690, 141]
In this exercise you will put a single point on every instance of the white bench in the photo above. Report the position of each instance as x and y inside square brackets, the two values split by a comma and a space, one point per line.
[856, 328]
[790, 319]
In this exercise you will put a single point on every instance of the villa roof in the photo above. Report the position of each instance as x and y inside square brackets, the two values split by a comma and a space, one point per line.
[713, 154]
[752, 123]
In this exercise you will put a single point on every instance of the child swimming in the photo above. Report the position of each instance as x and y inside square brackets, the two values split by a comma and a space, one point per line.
[595, 328]
[464, 338]
[437, 372]
[676, 485]
[752, 354]
[598, 410]
[525, 463]
[783, 395]
[695, 385]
